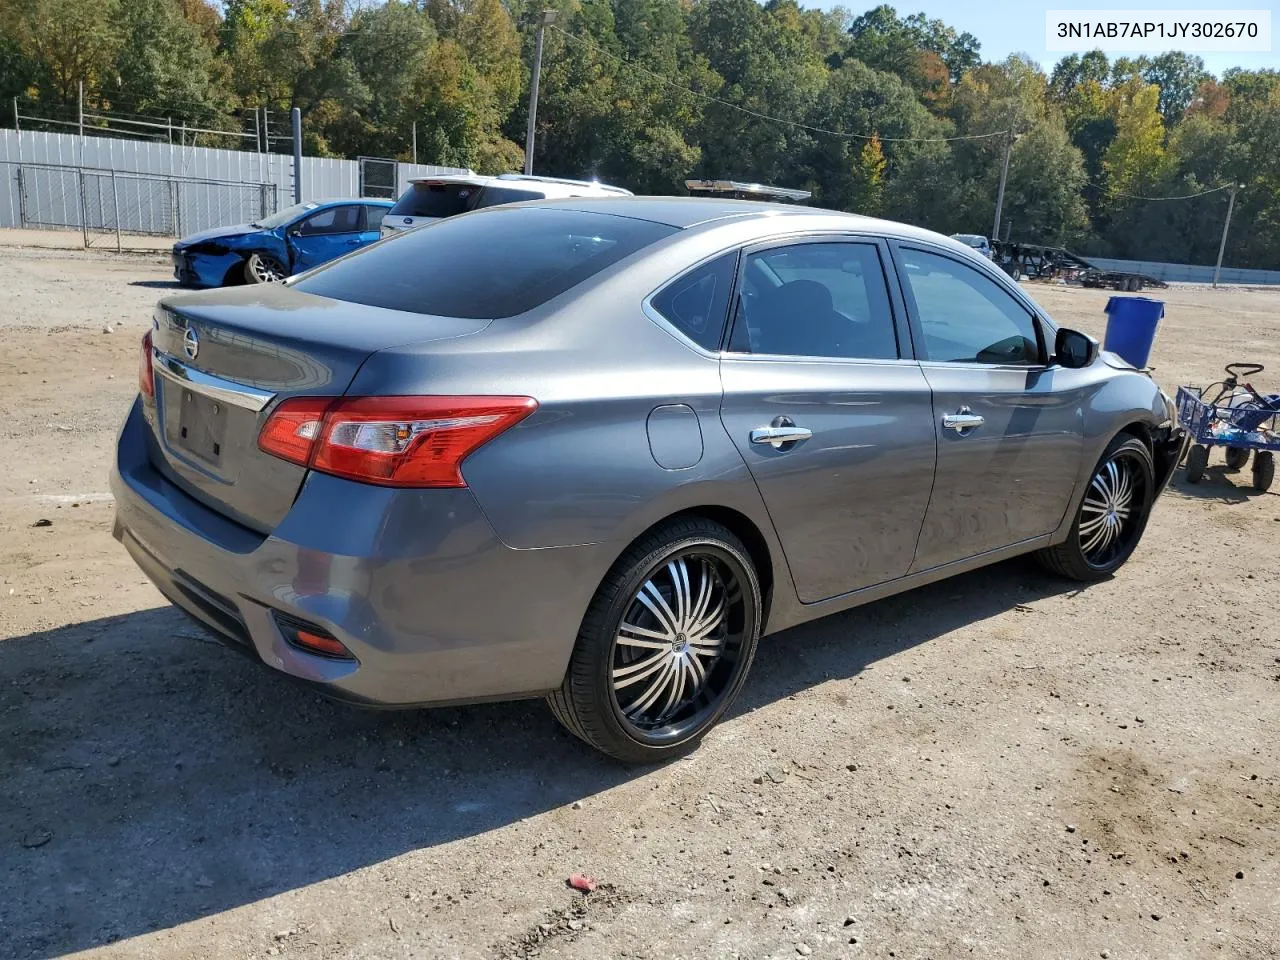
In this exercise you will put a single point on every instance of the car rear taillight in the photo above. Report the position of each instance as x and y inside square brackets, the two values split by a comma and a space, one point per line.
[390, 441]
[146, 371]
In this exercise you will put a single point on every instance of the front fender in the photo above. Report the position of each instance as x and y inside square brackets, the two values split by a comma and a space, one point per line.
[1126, 399]
[265, 241]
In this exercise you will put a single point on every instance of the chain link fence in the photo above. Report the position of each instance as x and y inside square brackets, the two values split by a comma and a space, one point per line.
[104, 204]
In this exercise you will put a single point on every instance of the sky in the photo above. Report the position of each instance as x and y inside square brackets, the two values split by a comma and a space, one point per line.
[1018, 26]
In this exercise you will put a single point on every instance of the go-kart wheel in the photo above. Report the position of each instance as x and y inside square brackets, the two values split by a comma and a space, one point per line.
[1197, 460]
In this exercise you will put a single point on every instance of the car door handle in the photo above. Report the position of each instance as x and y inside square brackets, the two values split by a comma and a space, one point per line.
[352, 243]
[962, 420]
[777, 436]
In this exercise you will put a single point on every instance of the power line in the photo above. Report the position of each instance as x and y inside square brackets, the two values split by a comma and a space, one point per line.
[574, 38]
[1189, 196]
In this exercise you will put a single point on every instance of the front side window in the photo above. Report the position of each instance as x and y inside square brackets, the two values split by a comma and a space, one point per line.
[967, 317]
[696, 304]
[823, 299]
[333, 220]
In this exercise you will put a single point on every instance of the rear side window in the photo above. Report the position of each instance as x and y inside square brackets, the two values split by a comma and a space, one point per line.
[435, 200]
[822, 299]
[696, 304]
[375, 215]
[498, 263]
[493, 196]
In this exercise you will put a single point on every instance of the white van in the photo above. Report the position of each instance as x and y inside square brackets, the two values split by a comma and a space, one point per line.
[431, 198]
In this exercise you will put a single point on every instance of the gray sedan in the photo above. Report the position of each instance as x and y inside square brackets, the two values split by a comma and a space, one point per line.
[593, 450]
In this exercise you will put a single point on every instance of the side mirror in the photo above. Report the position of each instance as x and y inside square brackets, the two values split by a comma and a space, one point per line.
[1073, 349]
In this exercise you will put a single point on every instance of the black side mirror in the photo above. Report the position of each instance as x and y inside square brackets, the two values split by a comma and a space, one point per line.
[1073, 349]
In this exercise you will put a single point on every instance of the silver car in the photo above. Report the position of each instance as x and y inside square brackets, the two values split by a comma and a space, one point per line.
[598, 469]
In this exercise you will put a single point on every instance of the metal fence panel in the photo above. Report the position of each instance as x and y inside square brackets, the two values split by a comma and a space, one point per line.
[145, 207]
[1186, 272]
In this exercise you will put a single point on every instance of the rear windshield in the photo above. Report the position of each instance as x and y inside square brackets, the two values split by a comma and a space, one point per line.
[435, 200]
[493, 264]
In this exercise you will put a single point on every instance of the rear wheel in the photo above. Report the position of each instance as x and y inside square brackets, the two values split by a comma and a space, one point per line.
[1264, 470]
[1112, 515]
[665, 645]
[1237, 457]
[1197, 461]
[264, 268]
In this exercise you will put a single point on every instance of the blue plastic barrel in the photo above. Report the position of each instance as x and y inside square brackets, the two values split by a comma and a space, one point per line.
[1131, 327]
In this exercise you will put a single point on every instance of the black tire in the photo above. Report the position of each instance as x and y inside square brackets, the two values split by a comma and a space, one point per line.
[1237, 457]
[589, 703]
[1264, 470]
[1081, 556]
[263, 268]
[1197, 462]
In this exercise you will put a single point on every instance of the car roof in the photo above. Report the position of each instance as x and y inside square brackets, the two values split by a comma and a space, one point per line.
[688, 213]
[377, 201]
[551, 186]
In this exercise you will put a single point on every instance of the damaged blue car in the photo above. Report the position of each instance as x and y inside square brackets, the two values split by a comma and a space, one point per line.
[295, 239]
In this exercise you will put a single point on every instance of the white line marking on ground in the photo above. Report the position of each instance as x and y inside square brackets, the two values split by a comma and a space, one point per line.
[64, 498]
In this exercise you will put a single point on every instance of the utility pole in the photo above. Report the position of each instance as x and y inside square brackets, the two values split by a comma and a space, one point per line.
[545, 19]
[415, 141]
[297, 155]
[1004, 175]
[1222, 245]
[80, 85]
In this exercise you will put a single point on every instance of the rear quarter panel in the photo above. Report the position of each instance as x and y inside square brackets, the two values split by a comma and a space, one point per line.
[581, 470]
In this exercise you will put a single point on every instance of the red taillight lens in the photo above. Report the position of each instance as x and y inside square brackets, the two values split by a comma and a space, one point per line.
[146, 371]
[391, 441]
[293, 427]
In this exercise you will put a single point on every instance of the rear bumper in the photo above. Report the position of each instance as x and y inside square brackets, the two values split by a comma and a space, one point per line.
[415, 584]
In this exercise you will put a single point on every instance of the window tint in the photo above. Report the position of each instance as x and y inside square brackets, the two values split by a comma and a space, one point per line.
[816, 300]
[492, 196]
[696, 304]
[966, 317]
[375, 215]
[332, 220]
[434, 200]
[494, 264]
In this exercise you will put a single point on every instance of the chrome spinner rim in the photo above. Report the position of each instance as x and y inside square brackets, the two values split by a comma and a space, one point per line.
[1111, 511]
[676, 649]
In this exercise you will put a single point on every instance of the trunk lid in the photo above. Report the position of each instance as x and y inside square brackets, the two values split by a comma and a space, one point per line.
[226, 358]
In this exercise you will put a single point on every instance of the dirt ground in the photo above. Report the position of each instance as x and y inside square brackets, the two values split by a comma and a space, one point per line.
[1002, 765]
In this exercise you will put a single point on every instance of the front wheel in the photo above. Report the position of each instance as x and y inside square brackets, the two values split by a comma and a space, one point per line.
[263, 268]
[665, 645]
[1112, 515]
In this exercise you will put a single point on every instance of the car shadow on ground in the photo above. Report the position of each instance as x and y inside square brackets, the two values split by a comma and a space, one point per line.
[157, 284]
[154, 777]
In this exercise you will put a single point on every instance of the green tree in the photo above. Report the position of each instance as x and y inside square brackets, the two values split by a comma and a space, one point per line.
[66, 42]
[162, 66]
[1136, 158]
[868, 178]
[1178, 76]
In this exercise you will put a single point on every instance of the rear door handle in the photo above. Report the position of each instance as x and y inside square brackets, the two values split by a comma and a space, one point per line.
[777, 436]
[962, 420]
